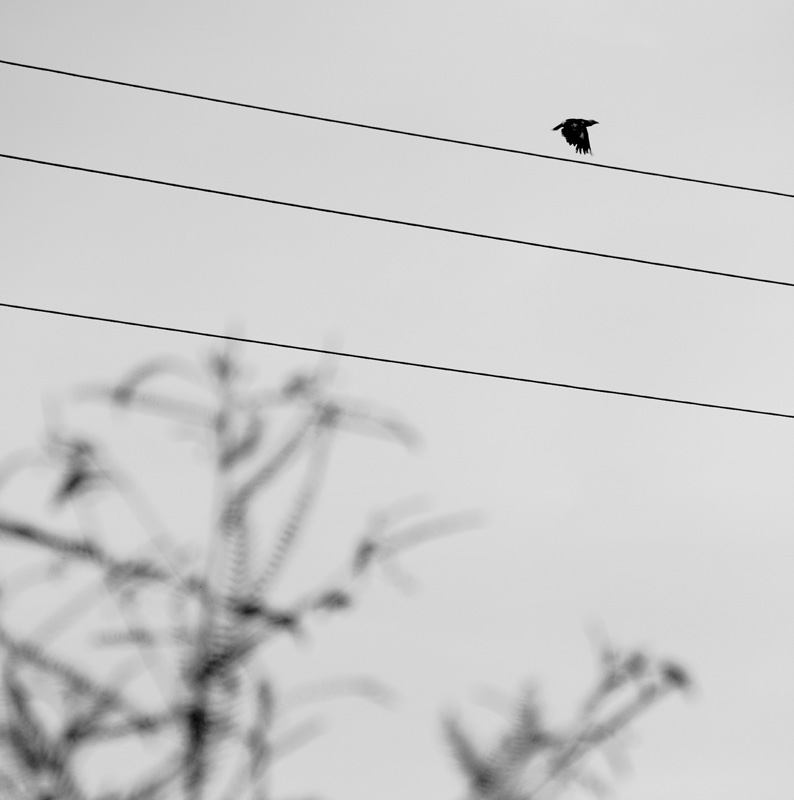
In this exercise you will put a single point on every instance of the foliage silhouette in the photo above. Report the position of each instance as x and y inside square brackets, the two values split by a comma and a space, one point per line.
[216, 613]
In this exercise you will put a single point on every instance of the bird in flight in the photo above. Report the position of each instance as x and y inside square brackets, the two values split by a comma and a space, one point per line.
[575, 133]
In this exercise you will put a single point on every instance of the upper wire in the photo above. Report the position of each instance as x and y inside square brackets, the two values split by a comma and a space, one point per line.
[383, 129]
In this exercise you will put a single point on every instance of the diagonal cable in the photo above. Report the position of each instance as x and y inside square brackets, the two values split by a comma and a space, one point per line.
[393, 221]
[397, 362]
[382, 129]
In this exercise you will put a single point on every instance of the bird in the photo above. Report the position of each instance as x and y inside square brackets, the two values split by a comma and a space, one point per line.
[575, 133]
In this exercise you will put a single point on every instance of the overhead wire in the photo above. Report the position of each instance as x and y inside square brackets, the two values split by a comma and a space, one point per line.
[383, 129]
[393, 221]
[391, 361]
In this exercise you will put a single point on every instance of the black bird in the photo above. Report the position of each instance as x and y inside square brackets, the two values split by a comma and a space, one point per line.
[575, 133]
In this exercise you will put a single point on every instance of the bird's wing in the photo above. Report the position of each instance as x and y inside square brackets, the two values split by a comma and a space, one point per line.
[584, 141]
[578, 137]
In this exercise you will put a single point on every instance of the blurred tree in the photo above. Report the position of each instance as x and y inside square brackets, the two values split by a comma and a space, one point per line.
[200, 622]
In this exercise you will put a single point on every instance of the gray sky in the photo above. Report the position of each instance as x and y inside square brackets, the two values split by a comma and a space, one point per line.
[669, 525]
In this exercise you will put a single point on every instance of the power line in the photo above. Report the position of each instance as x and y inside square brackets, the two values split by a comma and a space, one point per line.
[392, 361]
[381, 129]
[392, 221]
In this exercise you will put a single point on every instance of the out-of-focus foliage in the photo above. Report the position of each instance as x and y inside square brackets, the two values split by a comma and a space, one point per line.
[221, 616]
[201, 624]
[533, 761]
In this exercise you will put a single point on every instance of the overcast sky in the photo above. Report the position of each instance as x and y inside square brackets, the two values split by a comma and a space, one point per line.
[669, 525]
